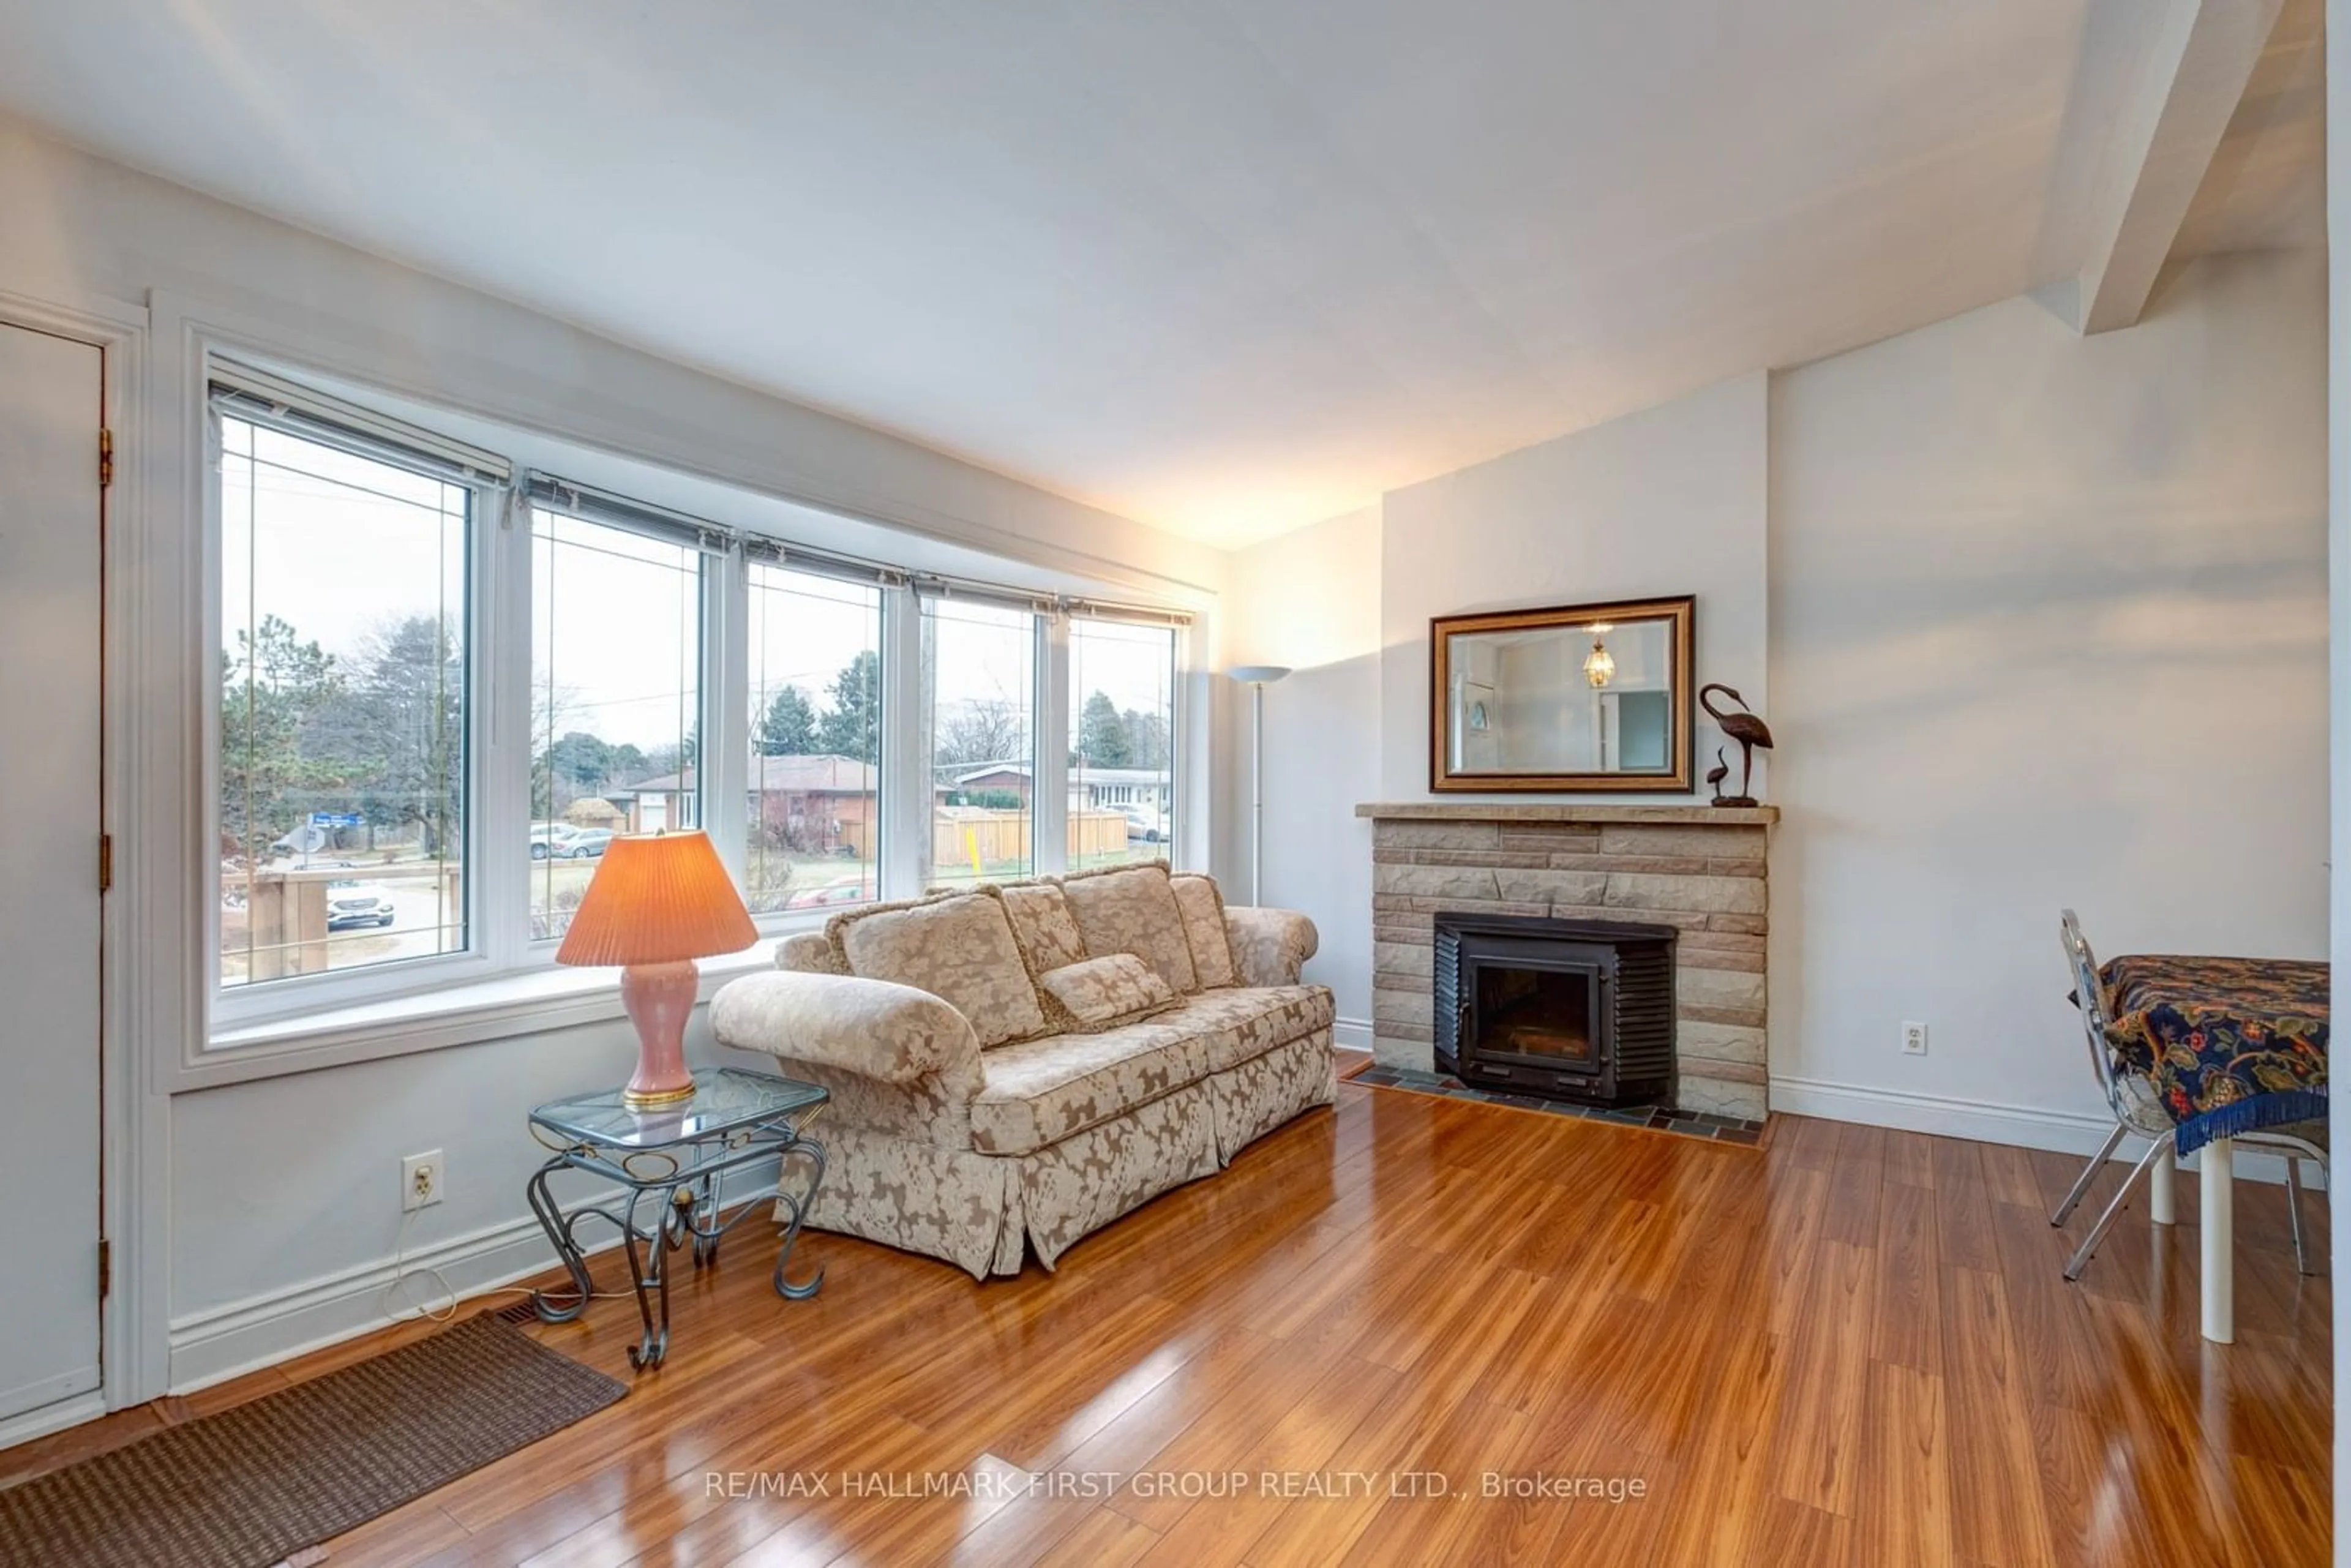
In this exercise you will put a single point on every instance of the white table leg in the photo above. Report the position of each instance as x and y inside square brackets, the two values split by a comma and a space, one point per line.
[2162, 1189]
[2217, 1164]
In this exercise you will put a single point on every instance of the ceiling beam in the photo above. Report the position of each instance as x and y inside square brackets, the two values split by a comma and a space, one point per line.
[2169, 127]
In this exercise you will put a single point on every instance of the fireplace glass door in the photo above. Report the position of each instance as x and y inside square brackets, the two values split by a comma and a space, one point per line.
[1544, 1017]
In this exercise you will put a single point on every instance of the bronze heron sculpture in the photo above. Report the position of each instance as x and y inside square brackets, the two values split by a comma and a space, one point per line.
[1717, 774]
[1743, 727]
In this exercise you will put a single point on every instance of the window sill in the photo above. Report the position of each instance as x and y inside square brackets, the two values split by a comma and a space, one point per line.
[532, 1002]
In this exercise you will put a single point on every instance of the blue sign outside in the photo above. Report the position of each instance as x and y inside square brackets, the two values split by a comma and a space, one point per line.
[334, 819]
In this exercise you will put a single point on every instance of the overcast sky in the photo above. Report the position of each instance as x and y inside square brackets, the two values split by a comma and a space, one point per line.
[341, 548]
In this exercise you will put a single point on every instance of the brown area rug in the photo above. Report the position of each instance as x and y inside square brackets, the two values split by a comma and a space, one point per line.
[257, 1483]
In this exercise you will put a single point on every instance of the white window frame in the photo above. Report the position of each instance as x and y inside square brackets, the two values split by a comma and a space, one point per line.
[721, 628]
[231, 1009]
[1183, 845]
[505, 981]
[734, 849]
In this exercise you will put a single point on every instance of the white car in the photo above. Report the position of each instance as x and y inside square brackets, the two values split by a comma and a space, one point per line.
[350, 904]
[585, 844]
[551, 840]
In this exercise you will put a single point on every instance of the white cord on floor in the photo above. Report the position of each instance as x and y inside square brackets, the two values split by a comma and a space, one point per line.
[402, 1274]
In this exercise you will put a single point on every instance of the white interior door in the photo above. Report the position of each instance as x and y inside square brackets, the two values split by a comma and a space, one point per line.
[51, 409]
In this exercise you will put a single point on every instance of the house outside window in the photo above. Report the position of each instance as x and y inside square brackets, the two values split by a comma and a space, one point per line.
[446, 681]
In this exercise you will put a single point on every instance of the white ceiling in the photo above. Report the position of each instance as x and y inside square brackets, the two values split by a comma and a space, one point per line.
[1225, 269]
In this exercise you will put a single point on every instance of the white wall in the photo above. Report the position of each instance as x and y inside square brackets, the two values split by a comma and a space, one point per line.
[269, 1211]
[1663, 502]
[2043, 620]
[2048, 629]
[1311, 601]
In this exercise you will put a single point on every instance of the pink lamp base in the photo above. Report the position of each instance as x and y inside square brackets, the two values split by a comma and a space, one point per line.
[660, 998]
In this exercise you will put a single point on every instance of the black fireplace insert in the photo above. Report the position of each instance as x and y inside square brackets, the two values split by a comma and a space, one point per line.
[1565, 1009]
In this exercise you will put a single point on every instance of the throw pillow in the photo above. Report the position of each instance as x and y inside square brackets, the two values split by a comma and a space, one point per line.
[1100, 994]
[1203, 906]
[1132, 909]
[1043, 926]
[958, 948]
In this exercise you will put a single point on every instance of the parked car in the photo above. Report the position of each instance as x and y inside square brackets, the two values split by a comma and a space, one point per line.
[551, 841]
[587, 843]
[350, 904]
[1141, 825]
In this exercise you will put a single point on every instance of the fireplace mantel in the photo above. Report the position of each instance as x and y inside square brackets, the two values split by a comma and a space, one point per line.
[1702, 870]
[1564, 811]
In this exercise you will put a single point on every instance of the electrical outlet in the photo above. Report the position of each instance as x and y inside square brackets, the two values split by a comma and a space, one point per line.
[1914, 1040]
[420, 1181]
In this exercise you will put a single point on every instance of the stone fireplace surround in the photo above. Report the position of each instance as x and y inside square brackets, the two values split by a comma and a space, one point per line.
[1699, 869]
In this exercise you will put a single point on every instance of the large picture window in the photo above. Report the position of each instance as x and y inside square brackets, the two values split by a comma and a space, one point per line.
[1121, 742]
[342, 717]
[813, 822]
[448, 681]
[616, 730]
[979, 674]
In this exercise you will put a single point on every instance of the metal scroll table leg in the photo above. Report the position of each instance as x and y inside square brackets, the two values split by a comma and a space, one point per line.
[705, 1229]
[558, 1232]
[650, 1273]
[798, 1206]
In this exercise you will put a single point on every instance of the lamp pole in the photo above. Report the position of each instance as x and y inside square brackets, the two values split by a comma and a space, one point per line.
[1256, 677]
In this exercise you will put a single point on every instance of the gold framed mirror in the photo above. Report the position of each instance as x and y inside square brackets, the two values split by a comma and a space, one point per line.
[1576, 698]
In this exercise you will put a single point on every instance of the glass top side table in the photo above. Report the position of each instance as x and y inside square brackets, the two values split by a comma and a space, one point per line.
[672, 1162]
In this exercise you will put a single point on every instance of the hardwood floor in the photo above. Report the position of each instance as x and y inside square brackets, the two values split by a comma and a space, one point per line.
[1852, 1347]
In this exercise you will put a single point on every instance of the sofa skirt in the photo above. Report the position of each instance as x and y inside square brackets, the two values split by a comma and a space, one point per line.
[984, 1213]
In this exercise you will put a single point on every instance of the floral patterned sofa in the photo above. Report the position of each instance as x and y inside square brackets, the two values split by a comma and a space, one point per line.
[1014, 1066]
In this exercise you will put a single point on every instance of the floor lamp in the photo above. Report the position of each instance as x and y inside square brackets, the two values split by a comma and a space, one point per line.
[1256, 677]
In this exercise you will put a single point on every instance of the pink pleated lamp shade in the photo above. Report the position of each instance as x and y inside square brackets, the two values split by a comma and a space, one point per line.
[657, 899]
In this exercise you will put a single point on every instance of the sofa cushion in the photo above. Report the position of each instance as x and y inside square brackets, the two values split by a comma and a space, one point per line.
[1040, 1092]
[1132, 909]
[1096, 994]
[1234, 1025]
[958, 948]
[1203, 908]
[1043, 926]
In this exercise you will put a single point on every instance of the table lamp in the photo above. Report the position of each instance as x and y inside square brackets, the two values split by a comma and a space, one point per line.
[658, 903]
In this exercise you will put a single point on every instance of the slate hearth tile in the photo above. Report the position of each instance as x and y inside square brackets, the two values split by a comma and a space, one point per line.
[1739, 1135]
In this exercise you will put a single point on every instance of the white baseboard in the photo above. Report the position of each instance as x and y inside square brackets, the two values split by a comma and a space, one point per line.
[226, 1342]
[1352, 1034]
[55, 1417]
[1983, 1121]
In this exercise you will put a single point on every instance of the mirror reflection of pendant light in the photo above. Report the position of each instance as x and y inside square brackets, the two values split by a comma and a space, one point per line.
[1599, 665]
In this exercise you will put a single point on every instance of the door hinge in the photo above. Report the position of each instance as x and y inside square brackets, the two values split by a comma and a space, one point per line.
[106, 862]
[105, 457]
[104, 1268]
